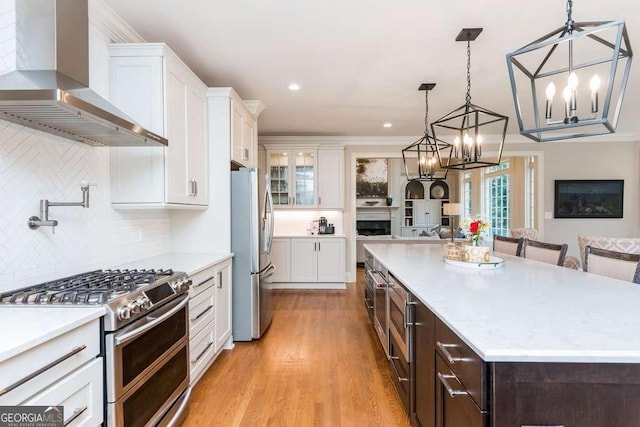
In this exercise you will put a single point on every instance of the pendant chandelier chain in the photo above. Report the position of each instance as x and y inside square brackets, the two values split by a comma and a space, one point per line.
[426, 112]
[468, 98]
[569, 16]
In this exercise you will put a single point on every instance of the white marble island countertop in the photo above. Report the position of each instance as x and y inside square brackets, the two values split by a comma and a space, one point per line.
[26, 327]
[526, 311]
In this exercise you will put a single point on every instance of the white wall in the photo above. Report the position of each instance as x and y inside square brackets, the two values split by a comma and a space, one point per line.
[293, 222]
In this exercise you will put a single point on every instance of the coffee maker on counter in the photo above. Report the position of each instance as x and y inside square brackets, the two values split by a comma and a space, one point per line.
[324, 227]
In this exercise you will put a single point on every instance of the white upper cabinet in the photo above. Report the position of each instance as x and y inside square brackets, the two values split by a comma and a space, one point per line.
[331, 179]
[155, 88]
[236, 125]
[306, 177]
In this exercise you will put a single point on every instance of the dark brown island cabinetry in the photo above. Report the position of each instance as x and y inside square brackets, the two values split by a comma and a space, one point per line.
[443, 382]
[422, 368]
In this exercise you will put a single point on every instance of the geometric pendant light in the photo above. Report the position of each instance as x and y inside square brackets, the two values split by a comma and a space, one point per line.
[570, 83]
[424, 150]
[469, 127]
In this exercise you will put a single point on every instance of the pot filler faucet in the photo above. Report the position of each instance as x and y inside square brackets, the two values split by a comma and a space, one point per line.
[44, 221]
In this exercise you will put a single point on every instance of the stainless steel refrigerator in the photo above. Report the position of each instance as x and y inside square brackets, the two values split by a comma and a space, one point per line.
[251, 237]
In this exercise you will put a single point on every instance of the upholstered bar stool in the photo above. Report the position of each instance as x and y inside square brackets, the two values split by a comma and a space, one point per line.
[617, 265]
[532, 234]
[550, 253]
[508, 245]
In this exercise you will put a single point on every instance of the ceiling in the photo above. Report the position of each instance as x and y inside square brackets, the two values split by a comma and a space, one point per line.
[360, 62]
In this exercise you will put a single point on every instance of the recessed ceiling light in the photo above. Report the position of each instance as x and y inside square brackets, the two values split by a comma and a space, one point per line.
[387, 125]
[294, 86]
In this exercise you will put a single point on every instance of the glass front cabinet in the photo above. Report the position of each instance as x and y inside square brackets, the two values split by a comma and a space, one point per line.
[293, 175]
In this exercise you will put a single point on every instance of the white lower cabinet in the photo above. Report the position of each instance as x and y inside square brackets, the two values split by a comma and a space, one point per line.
[80, 393]
[281, 257]
[64, 370]
[309, 259]
[209, 316]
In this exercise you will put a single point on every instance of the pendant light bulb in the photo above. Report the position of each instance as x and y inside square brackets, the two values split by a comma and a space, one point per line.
[551, 91]
[467, 139]
[572, 81]
[479, 139]
[595, 83]
[456, 141]
[566, 94]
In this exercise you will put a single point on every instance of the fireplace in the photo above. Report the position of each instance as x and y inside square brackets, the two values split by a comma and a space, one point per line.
[373, 228]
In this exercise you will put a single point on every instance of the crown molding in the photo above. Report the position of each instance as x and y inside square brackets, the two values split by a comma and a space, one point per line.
[406, 140]
[110, 23]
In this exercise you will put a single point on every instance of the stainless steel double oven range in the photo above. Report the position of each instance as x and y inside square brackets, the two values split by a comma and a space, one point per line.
[145, 338]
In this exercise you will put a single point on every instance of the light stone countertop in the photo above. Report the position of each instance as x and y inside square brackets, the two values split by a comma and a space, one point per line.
[309, 236]
[26, 327]
[526, 311]
[190, 263]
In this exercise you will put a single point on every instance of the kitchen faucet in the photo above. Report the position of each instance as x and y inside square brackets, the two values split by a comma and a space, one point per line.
[44, 221]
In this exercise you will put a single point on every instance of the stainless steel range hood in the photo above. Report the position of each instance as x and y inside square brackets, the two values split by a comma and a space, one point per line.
[46, 84]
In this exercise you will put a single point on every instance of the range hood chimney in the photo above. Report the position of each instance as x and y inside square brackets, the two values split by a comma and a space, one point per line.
[46, 84]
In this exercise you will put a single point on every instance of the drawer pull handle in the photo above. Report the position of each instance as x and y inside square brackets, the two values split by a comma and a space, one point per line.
[445, 352]
[204, 281]
[75, 415]
[193, 319]
[452, 392]
[395, 370]
[194, 361]
[73, 352]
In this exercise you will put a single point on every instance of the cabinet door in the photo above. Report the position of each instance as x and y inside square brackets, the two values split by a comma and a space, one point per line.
[421, 213]
[423, 362]
[331, 179]
[434, 208]
[223, 304]
[304, 178]
[331, 260]
[304, 263]
[279, 177]
[136, 88]
[177, 188]
[248, 138]
[196, 145]
[409, 232]
[238, 154]
[280, 257]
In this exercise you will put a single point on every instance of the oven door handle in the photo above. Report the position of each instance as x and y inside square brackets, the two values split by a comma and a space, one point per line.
[124, 338]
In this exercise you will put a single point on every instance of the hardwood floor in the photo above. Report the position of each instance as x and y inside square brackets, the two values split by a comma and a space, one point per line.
[319, 364]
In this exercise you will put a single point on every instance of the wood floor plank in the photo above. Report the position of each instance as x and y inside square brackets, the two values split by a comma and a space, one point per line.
[319, 364]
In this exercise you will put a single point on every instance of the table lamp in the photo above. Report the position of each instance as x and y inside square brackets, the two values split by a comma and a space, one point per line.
[451, 210]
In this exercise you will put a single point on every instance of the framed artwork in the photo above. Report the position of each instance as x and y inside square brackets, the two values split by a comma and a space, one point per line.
[588, 198]
[371, 179]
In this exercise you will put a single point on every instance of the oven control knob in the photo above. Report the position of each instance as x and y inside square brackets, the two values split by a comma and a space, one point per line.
[124, 313]
[134, 307]
[145, 302]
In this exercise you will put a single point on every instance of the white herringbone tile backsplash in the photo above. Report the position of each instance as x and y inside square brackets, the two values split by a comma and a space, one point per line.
[34, 166]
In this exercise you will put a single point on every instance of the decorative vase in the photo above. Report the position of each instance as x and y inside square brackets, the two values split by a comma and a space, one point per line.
[474, 241]
[389, 201]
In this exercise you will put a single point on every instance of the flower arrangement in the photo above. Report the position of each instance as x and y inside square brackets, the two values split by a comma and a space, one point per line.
[474, 227]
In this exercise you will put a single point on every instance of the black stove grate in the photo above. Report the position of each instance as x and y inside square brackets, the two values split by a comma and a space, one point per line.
[94, 288]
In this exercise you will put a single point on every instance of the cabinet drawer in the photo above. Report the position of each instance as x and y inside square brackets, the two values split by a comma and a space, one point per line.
[467, 366]
[37, 368]
[202, 310]
[201, 350]
[400, 372]
[202, 281]
[454, 405]
[80, 393]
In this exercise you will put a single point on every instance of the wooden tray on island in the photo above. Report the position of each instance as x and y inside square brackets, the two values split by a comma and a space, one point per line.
[493, 263]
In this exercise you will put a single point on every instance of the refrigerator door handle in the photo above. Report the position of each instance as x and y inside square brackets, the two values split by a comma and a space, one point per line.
[268, 272]
[268, 210]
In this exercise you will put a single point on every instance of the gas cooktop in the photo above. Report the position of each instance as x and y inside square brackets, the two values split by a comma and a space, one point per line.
[126, 294]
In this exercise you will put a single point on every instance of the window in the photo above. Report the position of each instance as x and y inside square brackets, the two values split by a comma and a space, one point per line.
[466, 191]
[496, 199]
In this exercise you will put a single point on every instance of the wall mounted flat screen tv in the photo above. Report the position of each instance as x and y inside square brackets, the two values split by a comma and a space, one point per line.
[588, 198]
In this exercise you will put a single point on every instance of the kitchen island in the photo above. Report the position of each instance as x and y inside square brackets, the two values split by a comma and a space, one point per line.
[526, 344]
